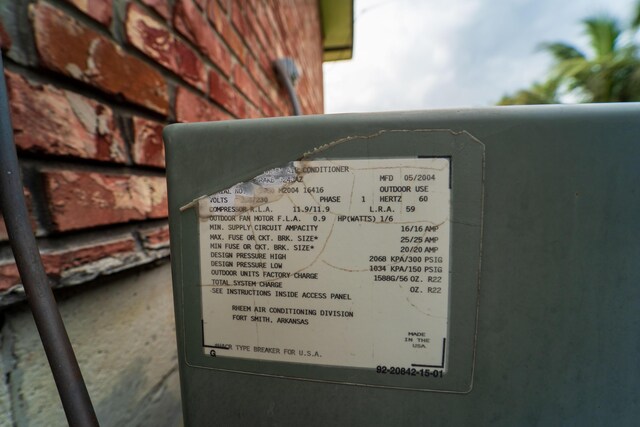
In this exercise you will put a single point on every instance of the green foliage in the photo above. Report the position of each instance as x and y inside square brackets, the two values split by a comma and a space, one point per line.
[609, 72]
[539, 93]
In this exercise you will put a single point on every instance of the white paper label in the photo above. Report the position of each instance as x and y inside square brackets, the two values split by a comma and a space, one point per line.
[340, 262]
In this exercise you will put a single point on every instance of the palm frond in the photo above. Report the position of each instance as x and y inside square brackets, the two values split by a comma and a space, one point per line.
[539, 93]
[608, 72]
[635, 20]
[604, 34]
[574, 68]
[561, 51]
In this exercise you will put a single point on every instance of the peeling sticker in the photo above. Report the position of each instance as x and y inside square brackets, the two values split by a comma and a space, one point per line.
[330, 262]
[242, 197]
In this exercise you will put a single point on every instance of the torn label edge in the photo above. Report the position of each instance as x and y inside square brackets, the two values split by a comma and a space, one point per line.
[244, 193]
[305, 157]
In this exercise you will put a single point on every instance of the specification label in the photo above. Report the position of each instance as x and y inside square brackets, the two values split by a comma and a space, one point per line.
[340, 263]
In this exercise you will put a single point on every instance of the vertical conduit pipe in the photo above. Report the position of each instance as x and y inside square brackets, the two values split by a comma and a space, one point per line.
[288, 74]
[64, 366]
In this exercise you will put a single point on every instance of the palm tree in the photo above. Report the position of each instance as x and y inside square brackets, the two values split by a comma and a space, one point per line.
[610, 72]
[539, 93]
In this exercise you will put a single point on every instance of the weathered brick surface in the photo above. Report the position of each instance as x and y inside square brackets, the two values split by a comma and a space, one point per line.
[267, 109]
[252, 112]
[29, 200]
[100, 10]
[57, 263]
[218, 18]
[221, 91]
[155, 238]
[269, 28]
[148, 148]
[256, 28]
[155, 40]
[81, 199]
[69, 47]
[267, 83]
[160, 6]
[238, 19]
[190, 22]
[91, 85]
[193, 108]
[245, 83]
[9, 275]
[276, 27]
[3, 230]
[54, 121]
[93, 88]
[250, 38]
[5, 39]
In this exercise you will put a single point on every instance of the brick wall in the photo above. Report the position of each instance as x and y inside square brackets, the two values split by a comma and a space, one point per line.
[92, 83]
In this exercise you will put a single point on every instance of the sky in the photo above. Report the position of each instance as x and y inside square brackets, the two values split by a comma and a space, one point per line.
[426, 54]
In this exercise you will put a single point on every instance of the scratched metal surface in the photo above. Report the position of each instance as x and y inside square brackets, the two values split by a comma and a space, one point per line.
[558, 332]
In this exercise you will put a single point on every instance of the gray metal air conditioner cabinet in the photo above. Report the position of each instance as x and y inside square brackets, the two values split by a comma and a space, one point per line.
[441, 268]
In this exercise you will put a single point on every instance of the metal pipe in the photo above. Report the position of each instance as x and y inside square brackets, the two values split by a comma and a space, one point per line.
[288, 73]
[64, 366]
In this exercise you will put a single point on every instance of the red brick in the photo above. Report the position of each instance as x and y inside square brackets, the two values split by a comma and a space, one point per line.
[257, 29]
[58, 262]
[215, 14]
[246, 85]
[189, 66]
[224, 94]
[54, 121]
[155, 40]
[238, 19]
[225, 29]
[9, 276]
[267, 109]
[148, 148]
[280, 14]
[155, 238]
[234, 41]
[268, 86]
[5, 39]
[252, 112]
[190, 22]
[224, 4]
[263, 53]
[268, 25]
[273, 30]
[160, 6]
[3, 230]
[283, 103]
[193, 108]
[253, 47]
[100, 10]
[28, 199]
[69, 47]
[79, 199]
[266, 63]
